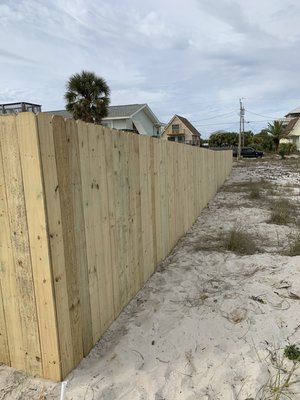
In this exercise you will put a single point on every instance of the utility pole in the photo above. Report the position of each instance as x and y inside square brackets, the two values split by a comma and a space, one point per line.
[242, 113]
[243, 126]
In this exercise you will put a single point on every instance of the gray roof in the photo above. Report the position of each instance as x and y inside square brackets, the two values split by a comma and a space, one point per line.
[295, 111]
[63, 113]
[124, 111]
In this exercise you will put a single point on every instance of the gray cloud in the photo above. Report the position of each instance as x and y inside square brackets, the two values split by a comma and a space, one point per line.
[13, 57]
[195, 58]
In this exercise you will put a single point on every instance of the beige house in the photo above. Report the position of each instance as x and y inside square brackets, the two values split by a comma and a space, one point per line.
[292, 132]
[180, 130]
[291, 125]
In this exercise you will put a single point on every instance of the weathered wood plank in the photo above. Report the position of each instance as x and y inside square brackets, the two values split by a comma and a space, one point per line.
[119, 186]
[146, 208]
[105, 268]
[54, 219]
[156, 230]
[111, 173]
[79, 234]
[177, 205]
[4, 349]
[164, 199]
[61, 145]
[8, 281]
[135, 214]
[170, 195]
[87, 146]
[38, 243]
[125, 212]
[22, 264]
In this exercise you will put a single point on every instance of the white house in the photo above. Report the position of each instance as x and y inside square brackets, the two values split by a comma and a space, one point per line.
[133, 117]
[136, 118]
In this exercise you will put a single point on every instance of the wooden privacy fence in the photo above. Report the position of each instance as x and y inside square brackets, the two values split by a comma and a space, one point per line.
[86, 215]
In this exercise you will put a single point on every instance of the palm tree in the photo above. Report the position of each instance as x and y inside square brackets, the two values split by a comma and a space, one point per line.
[87, 97]
[277, 132]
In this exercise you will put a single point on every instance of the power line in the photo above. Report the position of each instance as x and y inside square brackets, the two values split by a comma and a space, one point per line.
[262, 120]
[216, 116]
[219, 123]
[264, 116]
[248, 122]
[232, 122]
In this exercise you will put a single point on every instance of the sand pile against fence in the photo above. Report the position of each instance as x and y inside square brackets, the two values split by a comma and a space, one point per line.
[211, 323]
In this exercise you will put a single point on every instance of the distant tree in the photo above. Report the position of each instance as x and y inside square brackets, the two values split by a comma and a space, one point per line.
[277, 132]
[87, 97]
[263, 141]
[230, 139]
[222, 139]
[248, 138]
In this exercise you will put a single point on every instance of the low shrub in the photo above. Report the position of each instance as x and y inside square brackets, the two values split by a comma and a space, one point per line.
[286, 149]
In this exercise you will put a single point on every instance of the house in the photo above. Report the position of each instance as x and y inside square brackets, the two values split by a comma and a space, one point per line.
[136, 118]
[291, 124]
[11, 108]
[292, 132]
[293, 114]
[180, 130]
[62, 113]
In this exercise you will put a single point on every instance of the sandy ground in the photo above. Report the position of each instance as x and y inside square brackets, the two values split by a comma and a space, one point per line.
[211, 323]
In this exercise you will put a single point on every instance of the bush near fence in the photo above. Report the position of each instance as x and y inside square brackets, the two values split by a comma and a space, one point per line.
[86, 215]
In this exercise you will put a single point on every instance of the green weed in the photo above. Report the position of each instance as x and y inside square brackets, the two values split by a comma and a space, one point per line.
[281, 384]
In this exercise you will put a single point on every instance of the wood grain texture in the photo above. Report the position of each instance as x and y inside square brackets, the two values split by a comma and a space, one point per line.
[56, 241]
[22, 277]
[79, 233]
[61, 146]
[87, 214]
[38, 243]
[11, 319]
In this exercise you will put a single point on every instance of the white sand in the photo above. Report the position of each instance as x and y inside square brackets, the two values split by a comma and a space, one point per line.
[207, 325]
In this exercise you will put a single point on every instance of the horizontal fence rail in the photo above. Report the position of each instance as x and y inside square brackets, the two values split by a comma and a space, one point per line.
[86, 215]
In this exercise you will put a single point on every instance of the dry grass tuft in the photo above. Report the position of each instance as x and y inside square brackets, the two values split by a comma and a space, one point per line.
[240, 242]
[295, 247]
[282, 211]
[255, 190]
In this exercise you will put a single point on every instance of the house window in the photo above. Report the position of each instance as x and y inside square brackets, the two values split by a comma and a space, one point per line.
[181, 139]
[171, 139]
[175, 128]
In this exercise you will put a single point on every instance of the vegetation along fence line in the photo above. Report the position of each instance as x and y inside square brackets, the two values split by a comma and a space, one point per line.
[86, 215]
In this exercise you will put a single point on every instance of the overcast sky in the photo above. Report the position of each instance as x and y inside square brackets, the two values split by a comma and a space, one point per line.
[195, 58]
